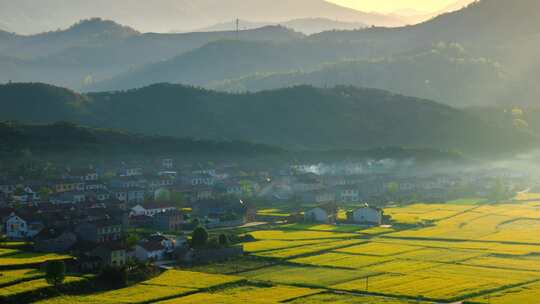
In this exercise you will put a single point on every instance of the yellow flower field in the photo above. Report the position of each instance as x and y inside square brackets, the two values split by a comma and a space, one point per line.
[10, 276]
[308, 249]
[529, 263]
[190, 279]
[325, 298]
[441, 255]
[295, 235]
[134, 294]
[336, 259]
[22, 259]
[529, 293]
[424, 212]
[266, 245]
[445, 282]
[27, 286]
[308, 276]
[379, 249]
[246, 294]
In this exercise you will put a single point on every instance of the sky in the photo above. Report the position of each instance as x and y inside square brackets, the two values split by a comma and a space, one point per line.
[388, 6]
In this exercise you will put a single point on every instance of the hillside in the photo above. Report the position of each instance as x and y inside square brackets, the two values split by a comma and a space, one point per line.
[29, 16]
[86, 33]
[221, 60]
[300, 117]
[490, 64]
[438, 71]
[96, 49]
[69, 139]
[488, 26]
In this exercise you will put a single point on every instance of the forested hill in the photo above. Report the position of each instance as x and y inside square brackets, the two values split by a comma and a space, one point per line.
[434, 73]
[299, 118]
[67, 139]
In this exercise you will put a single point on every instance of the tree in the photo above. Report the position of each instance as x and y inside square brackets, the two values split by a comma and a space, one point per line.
[223, 240]
[132, 240]
[113, 277]
[44, 193]
[55, 273]
[199, 237]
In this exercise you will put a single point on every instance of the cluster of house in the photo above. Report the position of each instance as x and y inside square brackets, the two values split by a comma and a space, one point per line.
[87, 212]
[383, 187]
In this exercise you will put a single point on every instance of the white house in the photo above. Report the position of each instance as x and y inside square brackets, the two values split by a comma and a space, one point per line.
[151, 209]
[322, 214]
[19, 228]
[155, 248]
[26, 195]
[348, 194]
[367, 215]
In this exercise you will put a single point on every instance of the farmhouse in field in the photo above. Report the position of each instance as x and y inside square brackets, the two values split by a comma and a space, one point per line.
[321, 214]
[366, 215]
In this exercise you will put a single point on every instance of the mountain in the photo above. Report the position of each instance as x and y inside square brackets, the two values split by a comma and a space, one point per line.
[301, 117]
[307, 26]
[434, 74]
[96, 49]
[69, 140]
[221, 60]
[92, 32]
[29, 16]
[489, 27]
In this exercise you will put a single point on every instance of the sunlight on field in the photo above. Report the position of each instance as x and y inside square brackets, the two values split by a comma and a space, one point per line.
[307, 276]
[341, 260]
[139, 293]
[308, 249]
[458, 253]
[11, 276]
[379, 249]
[293, 235]
[22, 259]
[189, 279]
[13, 290]
[419, 213]
[266, 245]
[246, 294]
[529, 293]
[350, 299]
[172, 283]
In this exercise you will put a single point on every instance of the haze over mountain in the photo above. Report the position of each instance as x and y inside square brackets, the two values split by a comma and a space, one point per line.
[411, 16]
[394, 73]
[498, 62]
[307, 26]
[493, 60]
[30, 17]
[300, 117]
[96, 49]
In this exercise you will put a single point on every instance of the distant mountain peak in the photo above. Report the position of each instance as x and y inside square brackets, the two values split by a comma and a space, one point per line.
[98, 25]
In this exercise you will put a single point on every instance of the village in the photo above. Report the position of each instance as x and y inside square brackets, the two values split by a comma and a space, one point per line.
[109, 216]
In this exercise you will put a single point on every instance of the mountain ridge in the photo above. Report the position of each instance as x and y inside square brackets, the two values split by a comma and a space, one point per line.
[301, 117]
[27, 16]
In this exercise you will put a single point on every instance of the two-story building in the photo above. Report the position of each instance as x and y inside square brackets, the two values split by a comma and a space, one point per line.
[20, 226]
[102, 231]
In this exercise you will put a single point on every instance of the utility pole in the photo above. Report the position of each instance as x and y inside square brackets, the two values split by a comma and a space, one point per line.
[237, 28]
[367, 284]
